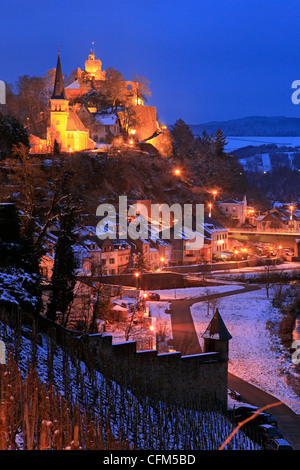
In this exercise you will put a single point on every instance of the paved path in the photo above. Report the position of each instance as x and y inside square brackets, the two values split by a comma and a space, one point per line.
[288, 421]
[185, 338]
[186, 341]
[184, 333]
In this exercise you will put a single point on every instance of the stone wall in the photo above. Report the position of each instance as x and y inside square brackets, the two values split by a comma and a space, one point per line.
[146, 281]
[145, 121]
[172, 377]
[195, 380]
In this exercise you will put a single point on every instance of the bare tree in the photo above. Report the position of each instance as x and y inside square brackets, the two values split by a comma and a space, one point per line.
[141, 88]
[211, 301]
[128, 119]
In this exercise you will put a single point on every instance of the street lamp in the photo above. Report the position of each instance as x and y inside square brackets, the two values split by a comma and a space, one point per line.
[215, 192]
[209, 205]
[291, 209]
[151, 328]
[137, 278]
[177, 172]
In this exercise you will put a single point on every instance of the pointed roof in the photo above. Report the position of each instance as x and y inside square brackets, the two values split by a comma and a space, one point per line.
[217, 329]
[59, 87]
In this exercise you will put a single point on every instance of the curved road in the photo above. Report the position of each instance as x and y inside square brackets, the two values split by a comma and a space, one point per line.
[186, 341]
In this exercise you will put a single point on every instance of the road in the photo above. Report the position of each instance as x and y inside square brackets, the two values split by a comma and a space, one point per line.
[184, 333]
[288, 421]
[186, 341]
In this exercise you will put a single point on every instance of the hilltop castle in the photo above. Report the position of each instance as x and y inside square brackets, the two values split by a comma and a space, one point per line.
[77, 127]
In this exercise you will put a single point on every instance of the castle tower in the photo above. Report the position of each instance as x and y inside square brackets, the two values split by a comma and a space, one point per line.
[216, 337]
[94, 67]
[59, 108]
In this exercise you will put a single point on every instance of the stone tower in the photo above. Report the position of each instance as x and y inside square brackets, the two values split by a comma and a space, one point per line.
[216, 337]
[93, 67]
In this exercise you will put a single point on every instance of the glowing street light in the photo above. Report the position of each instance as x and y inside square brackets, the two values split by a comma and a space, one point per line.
[137, 278]
[210, 206]
[177, 172]
[151, 328]
[214, 192]
[291, 209]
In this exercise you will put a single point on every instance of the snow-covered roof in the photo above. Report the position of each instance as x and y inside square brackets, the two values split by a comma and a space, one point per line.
[230, 201]
[74, 85]
[106, 119]
[211, 225]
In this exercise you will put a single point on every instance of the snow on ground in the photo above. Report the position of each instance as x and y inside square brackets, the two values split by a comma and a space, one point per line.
[289, 267]
[194, 292]
[236, 142]
[254, 354]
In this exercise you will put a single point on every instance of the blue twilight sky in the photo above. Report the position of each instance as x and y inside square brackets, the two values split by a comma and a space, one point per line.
[206, 59]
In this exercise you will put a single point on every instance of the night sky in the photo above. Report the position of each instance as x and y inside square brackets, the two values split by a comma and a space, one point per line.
[206, 60]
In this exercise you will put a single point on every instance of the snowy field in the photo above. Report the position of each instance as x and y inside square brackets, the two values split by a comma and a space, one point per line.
[194, 292]
[254, 354]
[287, 268]
[243, 141]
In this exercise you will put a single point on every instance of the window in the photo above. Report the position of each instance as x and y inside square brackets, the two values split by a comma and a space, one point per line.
[111, 260]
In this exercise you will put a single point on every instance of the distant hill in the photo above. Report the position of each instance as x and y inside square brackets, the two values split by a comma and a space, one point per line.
[278, 126]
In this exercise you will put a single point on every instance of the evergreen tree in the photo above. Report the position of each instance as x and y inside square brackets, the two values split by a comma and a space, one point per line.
[140, 264]
[12, 132]
[63, 276]
[10, 237]
[18, 253]
[219, 142]
[31, 255]
[183, 138]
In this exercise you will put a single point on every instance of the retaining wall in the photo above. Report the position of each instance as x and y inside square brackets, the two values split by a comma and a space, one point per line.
[182, 380]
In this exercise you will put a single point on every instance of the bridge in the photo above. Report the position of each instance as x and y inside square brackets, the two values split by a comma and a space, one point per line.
[287, 239]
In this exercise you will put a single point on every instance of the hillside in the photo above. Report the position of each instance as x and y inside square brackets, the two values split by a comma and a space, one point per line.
[279, 126]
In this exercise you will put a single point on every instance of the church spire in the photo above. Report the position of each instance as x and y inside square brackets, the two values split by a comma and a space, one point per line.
[59, 87]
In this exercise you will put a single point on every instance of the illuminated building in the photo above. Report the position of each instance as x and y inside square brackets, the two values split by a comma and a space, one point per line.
[65, 126]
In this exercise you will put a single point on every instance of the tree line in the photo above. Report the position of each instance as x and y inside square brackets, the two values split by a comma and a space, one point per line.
[205, 160]
[28, 99]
